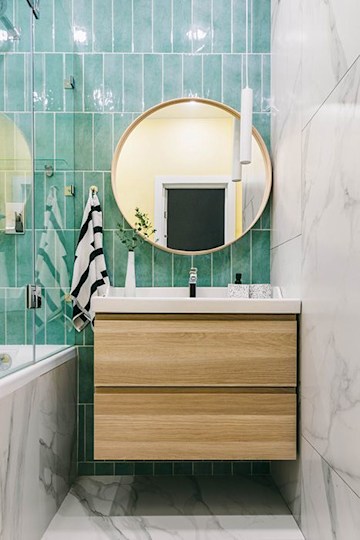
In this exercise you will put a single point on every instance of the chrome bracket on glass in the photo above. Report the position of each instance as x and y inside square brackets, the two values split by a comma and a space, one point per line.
[33, 297]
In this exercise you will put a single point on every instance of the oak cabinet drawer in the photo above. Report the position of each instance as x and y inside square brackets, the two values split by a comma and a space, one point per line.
[186, 424]
[178, 353]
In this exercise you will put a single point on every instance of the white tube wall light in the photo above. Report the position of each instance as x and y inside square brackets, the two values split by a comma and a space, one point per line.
[246, 106]
[236, 165]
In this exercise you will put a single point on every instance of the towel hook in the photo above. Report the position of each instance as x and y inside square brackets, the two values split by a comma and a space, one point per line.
[94, 189]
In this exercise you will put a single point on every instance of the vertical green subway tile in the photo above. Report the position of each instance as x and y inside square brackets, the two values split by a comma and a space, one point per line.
[44, 138]
[104, 469]
[143, 468]
[69, 67]
[55, 317]
[182, 265]
[46, 241]
[182, 26]
[40, 324]
[142, 26]
[65, 140]
[143, 265]
[39, 82]
[102, 142]
[68, 258]
[133, 67]
[183, 468]
[82, 25]
[109, 253]
[266, 216]
[70, 202]
[2, 81]
[241, 258]
[86, 469]
[172, 76]
[222, 26]
[120, 256]
[95, 178]
[44, 29]
[203, 468]
[88, 336]
[63, 30]
[261, 20]
[81, 432]
[232, 79]
[202, 26]
[2, 316]
[203, 264]
[54, 66]
[78, 199]
[152, 80]
[163, 468]
[113, 82]
[89, 437]
[112, 215]
[7, 256]
[78, 73]
[192, 75]
[86, 375]
[15, 316]
[24, 121]
[15, 82]
[260, 244]
[102, 25]
[83, 141]
[255, 79]
[93, 82]
[221, 268]
[24, 259]
[222, 468]
[266, 85]
[162, 268]
[212, 75]
[24, 22]
[239, 26]
[162, 26]
[121, 122]
[262, 123]
[122, 26]
[242, 468]
[125, 468]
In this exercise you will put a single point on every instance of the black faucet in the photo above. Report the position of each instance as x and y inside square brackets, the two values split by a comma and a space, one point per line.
[192, 282]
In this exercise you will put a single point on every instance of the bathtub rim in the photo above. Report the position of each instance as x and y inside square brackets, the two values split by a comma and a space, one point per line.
[21, 377]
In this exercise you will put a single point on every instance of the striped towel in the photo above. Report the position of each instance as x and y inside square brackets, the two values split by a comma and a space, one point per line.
[90, 276]
[51, 269]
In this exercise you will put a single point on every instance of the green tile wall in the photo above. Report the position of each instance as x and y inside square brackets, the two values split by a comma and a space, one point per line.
[154, 56]
[128, 56]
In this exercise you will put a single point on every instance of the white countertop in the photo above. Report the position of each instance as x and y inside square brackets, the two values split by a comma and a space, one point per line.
[176, 300]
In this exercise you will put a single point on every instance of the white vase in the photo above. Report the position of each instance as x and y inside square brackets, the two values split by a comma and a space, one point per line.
[130, 281]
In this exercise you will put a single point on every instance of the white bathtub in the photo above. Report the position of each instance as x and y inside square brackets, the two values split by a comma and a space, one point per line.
[22, 368]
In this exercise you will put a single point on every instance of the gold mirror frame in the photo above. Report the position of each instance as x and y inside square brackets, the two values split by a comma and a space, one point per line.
[233, 112]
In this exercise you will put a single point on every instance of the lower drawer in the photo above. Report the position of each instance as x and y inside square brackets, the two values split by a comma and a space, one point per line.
[190, 424]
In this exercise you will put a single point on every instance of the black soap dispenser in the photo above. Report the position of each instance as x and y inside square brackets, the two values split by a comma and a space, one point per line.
[237, 289]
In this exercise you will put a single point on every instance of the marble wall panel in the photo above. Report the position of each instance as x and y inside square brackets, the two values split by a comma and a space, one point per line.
[37, 452]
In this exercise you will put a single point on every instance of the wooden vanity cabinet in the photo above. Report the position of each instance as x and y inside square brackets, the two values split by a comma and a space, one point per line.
[195, 387]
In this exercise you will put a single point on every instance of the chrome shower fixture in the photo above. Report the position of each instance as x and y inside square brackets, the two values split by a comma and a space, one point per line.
[12, 32]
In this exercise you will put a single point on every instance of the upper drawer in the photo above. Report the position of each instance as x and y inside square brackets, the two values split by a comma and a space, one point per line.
[182, 352]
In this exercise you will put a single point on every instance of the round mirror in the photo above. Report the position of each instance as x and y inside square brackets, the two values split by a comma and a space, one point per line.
[179, 164]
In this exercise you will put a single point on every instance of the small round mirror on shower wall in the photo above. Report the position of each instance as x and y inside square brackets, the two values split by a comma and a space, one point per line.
[177, 162]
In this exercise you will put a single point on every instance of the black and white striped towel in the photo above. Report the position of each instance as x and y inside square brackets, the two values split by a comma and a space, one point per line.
[90, 276]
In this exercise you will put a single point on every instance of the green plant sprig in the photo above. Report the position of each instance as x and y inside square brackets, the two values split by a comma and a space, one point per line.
[135, 237]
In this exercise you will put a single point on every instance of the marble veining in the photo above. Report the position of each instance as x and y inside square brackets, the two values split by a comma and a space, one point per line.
[37, 452]
[330, 272]
[163, 508]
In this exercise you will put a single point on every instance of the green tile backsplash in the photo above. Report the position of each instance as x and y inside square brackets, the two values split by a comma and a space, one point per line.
[128, 56]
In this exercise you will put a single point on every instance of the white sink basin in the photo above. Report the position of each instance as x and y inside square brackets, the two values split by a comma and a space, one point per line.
[176, 300]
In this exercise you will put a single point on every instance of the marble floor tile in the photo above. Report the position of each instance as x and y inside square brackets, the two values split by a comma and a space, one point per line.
[153, 508]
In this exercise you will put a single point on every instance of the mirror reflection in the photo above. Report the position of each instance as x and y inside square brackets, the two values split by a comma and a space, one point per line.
[176, 163]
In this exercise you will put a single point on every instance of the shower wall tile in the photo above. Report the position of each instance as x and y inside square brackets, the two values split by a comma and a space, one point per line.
[122, 26]
[222, 26]
[182, 26]
[261, 19]
[113, 82]
[173, 82]
[142, 29]
[54, 70]
[192, 76]
[201, 25]
[63, 29]
[239, 26]
[44, 32]
[133, 83]
[15, 82]
[103, 41]
[212, 77]
[152, 80]
[162, 26]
